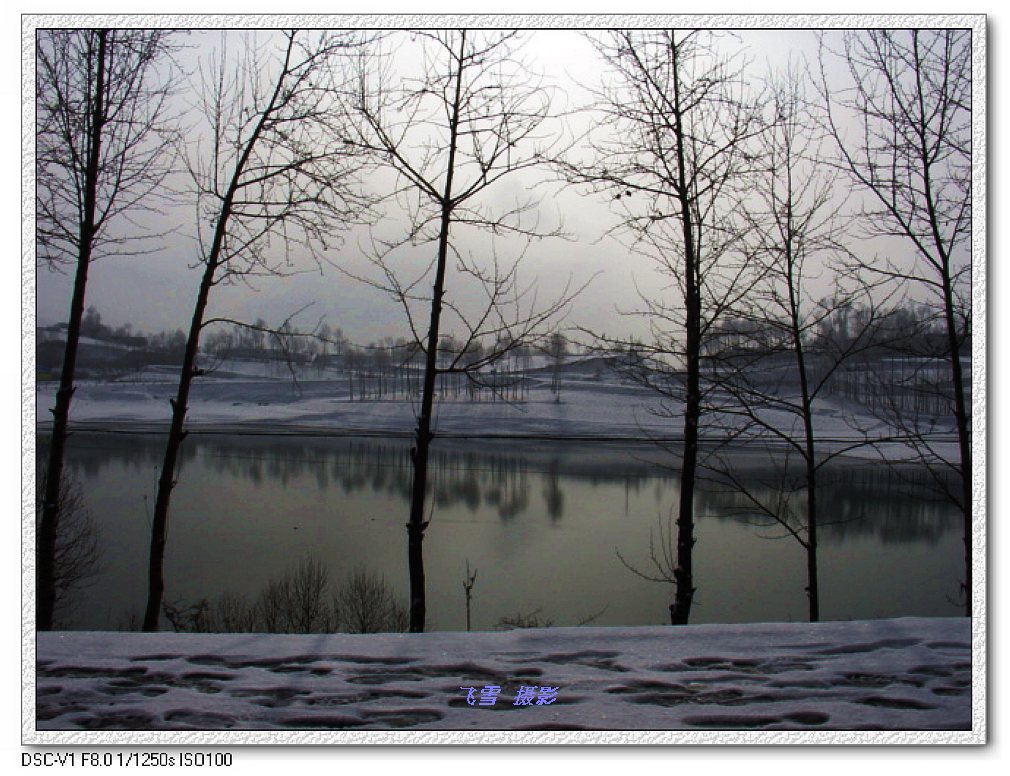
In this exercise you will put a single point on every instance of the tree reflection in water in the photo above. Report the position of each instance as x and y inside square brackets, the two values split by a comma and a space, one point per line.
[540, 519]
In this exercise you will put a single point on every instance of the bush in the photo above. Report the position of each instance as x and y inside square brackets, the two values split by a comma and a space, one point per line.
[299, 601]
[366, 604]
[76, 560]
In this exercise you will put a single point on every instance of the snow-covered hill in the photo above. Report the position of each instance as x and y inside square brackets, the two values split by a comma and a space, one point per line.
[593, 403]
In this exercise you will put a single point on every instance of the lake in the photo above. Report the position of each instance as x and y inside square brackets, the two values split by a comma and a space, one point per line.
[541, 522]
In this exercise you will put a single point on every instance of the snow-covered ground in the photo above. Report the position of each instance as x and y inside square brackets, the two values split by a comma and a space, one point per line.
[885, 675]
[592, 405]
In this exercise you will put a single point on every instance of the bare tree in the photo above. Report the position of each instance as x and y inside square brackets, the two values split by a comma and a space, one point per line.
[672, 155]
[233, 614]
[901, 122]
[471, 580]
[102, 142]
[270, 175]
[775, 357]
[557, 349]
[521, 620]
[77, 556]
[308, 590]
[297, 601]
[300, 600]
[469, 120]
[366, 604]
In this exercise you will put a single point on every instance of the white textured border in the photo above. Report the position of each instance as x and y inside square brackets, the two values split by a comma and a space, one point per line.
[551, 738]
[978, 734]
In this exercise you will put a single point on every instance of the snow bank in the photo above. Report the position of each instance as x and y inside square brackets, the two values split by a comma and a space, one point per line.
[879, 677]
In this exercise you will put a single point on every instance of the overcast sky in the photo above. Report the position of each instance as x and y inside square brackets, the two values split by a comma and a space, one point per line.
[154, 292]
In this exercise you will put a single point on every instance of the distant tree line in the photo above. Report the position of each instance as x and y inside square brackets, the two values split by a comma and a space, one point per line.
[390, 368]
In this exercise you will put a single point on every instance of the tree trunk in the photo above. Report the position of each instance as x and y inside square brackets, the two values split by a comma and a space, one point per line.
[810, 449]
[166, 482]
[683, 574]
[423, 435]
[810, 459]
[961, 417]
[813, 594]
[961, 412]
[45, 580]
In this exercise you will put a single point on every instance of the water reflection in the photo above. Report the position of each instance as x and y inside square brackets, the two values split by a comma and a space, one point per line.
[856, 501]
[859, 499]
[540, 520]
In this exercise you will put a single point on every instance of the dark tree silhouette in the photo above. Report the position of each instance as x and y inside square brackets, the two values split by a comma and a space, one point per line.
[78, 554]
[471, 580]
[102, 150]
[774, 358]
[557, 349]
[470, 119]
[366, 604]
[271, 168]
[672, 153]
[901, 123]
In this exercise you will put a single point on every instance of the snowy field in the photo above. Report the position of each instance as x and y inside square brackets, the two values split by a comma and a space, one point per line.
[593, 404]
[883, 677]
